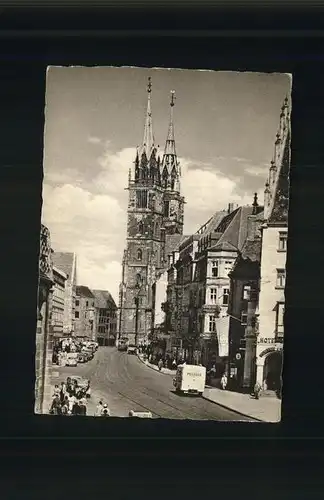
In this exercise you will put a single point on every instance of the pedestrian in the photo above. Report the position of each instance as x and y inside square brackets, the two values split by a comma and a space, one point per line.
[160, 364]
[83, 407]
[174, 364]
[257, 390]
[224, 381]
[99, 409]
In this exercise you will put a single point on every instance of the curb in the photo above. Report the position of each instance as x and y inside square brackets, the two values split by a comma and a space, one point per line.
[235, 411]
[211, 400]
[158, 371]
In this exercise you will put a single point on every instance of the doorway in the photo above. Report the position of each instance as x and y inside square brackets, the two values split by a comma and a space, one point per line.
[272, 371]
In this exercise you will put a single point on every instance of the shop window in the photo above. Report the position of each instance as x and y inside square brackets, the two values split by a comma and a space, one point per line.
[281, 278]
[283, 242]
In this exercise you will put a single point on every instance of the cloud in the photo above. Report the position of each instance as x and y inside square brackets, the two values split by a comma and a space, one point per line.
[94, 140]
[258, 170]
[93, 226]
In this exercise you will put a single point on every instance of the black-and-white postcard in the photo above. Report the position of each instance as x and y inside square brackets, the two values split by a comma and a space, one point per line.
[163, 244]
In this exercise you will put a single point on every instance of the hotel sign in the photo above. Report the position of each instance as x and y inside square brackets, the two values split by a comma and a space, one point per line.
[267, 340]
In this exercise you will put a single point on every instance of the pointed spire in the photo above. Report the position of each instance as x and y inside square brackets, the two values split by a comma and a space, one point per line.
[170, 142]
[148, 138]
[255, 204]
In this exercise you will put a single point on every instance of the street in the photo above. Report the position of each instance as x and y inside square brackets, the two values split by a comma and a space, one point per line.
[125, 383]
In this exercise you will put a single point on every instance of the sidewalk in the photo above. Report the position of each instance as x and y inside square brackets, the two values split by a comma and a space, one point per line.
[164, 371]
[267, 409]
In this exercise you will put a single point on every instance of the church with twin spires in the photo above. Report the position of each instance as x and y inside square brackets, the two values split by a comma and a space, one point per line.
[154, 218]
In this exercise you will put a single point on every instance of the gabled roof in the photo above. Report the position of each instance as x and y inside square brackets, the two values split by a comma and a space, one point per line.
[235, 228]
[84, 291]
[64, 261]
[103, 299]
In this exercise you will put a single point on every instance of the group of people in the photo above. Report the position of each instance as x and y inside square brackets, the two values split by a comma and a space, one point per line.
[70, 399]
[102, 410]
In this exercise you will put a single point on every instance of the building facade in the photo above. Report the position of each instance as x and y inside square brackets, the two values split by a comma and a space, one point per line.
[105, 318]
[84, 323]
[58, 303]
[67, 262]
[269, 349]
[43, 356]
[243, 308]
[155, 211]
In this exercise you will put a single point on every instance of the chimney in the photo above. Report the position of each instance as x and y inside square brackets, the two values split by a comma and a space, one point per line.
[232, 207]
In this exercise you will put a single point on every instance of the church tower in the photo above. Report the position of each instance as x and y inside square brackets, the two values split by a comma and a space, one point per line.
[173, 202]
[144, 248]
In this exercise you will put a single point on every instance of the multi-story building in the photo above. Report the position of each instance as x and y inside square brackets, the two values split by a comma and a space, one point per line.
[43, 357]
[217, 252]
[155, 211]
[67, 262]
[242, 308]
[269, 349]
[84, 324]
[57, 316]
[105, 318]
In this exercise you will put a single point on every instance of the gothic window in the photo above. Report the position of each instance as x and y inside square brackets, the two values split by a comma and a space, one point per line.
[140, 227]
[141, 199]
[139, 254]
[138, 279]
[165, 178]
[166, 208]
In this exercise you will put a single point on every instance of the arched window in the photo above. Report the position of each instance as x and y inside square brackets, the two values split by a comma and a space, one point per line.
[138, 279]
[141, 227]
[139, 254]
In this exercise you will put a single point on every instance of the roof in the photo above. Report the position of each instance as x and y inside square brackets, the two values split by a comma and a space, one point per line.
[84, 291]
[64, 261]
[60, 272]
[224, 245]
[173, 241]
[252, 250]
[212, 223]
[103, 299]
[234, 229]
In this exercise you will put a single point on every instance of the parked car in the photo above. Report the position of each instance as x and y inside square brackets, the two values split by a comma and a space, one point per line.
[82, 357]
[132, 349]
[88, 352]
[71, 359]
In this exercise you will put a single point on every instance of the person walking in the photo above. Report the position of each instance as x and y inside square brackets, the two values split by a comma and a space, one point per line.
[99, 409]
[224, 381]
[160, 364]
[257, 390]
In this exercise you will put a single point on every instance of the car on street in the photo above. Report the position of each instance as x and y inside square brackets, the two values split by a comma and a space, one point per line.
[82, 357]
[71, 359]
[132, 349]
[122, 344]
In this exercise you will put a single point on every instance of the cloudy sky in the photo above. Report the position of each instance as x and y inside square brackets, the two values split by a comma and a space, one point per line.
[225, 127]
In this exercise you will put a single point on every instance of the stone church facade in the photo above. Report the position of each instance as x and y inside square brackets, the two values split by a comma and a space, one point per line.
[155, 212]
